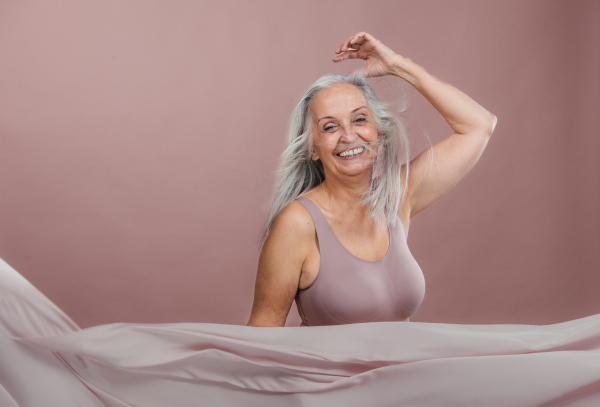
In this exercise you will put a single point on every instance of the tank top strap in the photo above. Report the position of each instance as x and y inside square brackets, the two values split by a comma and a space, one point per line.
[398, 229]
[325, 234]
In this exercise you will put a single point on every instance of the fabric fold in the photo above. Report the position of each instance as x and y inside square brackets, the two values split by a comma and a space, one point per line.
[46, 360]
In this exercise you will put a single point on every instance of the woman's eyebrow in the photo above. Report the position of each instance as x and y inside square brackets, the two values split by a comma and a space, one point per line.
[325, 117]
[331, 117]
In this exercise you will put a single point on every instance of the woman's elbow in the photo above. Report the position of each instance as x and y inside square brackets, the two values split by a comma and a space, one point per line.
[493, 123]
[489, 124]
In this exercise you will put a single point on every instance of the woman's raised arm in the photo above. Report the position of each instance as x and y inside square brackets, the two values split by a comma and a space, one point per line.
[454, 156]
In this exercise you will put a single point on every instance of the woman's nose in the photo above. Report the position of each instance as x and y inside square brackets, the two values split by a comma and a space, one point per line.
[348, 133]
[348, 136]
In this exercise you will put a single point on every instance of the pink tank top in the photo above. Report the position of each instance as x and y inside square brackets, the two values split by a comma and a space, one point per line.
[351, 290]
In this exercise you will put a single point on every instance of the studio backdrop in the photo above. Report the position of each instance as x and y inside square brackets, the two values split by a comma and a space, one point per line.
[139, 142]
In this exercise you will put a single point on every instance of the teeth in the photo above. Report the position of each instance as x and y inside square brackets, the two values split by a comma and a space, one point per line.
[351, 152]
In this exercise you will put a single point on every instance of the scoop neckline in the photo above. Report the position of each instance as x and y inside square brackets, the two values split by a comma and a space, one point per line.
[344, 247]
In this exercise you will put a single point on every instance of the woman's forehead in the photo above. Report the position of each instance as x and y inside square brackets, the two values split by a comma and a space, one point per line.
[340, 98]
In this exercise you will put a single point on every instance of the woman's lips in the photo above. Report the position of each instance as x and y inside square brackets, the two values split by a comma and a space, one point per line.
[352, 156]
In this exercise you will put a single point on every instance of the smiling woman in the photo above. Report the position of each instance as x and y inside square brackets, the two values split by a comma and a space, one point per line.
[343, 113]
[336, 243]
[348, 155]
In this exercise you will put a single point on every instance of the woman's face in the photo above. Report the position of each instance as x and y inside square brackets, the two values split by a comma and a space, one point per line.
[342, 123]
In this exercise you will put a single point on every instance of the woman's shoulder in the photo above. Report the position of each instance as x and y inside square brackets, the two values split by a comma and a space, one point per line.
[292, 231]
[295, 217]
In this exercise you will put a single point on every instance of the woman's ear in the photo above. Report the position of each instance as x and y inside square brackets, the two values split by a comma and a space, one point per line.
[314, 155]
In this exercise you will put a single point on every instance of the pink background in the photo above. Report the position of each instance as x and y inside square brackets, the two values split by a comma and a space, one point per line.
[138, 140]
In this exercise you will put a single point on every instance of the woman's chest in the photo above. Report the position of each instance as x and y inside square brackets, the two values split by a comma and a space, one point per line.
[349, 291]
[367, 248]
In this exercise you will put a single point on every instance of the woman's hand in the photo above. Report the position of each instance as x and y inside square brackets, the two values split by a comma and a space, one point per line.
[380, 59]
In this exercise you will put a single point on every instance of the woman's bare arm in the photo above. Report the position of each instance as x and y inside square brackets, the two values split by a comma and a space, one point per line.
[454, 156]
[280, 266]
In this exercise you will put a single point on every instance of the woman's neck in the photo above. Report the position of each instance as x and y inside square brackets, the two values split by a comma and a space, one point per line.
[344, 197]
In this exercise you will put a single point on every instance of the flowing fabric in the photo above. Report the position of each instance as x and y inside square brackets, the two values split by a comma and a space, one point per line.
[46, 360]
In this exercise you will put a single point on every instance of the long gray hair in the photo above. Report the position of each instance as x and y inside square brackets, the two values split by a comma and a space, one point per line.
[298, 172]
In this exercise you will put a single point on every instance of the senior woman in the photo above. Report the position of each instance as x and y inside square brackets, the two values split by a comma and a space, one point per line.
[336, 242]
[340, 249]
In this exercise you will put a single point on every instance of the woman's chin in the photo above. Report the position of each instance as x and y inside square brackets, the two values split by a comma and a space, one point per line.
[355, 170]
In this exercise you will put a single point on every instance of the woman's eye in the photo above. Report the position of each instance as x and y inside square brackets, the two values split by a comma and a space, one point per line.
[361, 119]
[328, 127]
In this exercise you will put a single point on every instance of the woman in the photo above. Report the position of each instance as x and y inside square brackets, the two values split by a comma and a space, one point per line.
[344, 159]
[360, 195]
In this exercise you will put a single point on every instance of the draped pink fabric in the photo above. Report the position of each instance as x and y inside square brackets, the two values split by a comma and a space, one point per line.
[46, 360]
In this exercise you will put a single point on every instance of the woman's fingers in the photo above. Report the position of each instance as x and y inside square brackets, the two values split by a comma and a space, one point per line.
[362, 45]
[353, 55]
[348, 50]
[358, 39]
[346, 55]
[345, 45]
[340, 48]
[362, 37]
[354, 42]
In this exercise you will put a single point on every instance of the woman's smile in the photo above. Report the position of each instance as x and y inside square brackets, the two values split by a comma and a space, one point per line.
[351, 154]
